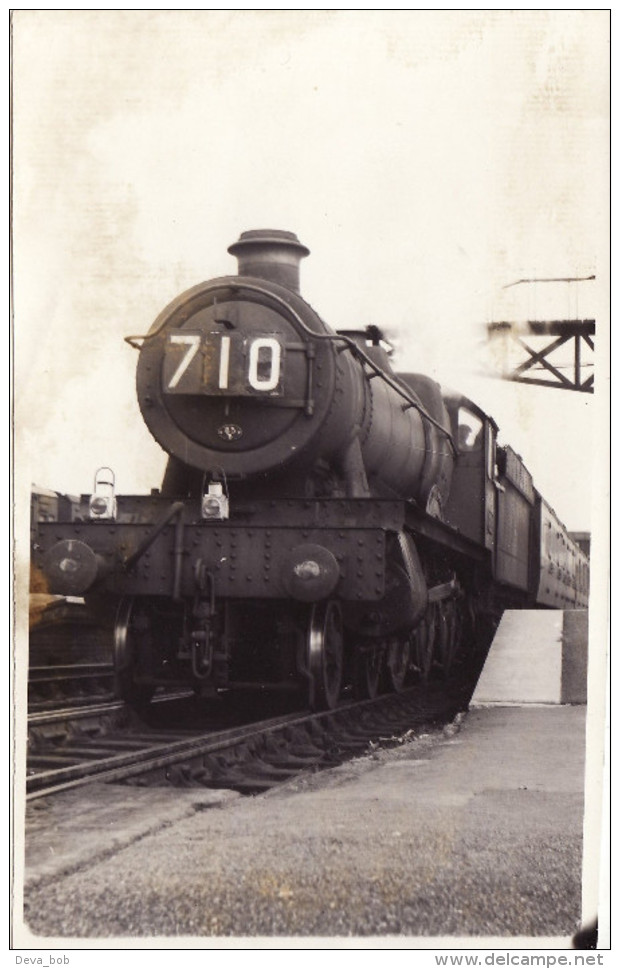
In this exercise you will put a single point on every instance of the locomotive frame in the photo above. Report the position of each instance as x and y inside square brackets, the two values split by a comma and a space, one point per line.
[323, 519]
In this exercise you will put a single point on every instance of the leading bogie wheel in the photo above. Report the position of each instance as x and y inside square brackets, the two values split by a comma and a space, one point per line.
[133, 638]
[325, 654]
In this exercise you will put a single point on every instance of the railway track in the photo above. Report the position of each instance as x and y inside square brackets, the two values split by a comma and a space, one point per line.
[50, 729]
[70, 655]
[56, 686]
[249, 758]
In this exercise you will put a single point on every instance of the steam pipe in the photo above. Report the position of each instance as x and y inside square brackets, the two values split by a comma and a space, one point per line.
[175, 509]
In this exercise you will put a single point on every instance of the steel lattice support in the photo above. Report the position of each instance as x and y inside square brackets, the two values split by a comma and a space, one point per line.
[577, 332]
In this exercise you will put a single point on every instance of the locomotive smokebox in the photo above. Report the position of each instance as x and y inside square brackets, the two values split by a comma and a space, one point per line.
[270, 254]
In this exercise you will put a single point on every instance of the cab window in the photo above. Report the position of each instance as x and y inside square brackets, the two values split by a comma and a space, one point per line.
[471, 436]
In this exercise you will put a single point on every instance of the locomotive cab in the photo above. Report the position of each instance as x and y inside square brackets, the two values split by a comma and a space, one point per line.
[471, 507]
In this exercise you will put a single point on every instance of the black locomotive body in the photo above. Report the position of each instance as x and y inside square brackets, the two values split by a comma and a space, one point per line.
[322, 519]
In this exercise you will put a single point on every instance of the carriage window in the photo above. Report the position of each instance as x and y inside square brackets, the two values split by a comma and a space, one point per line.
[471, 435]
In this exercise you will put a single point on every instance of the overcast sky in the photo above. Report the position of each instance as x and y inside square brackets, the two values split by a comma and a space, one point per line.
[427, 159]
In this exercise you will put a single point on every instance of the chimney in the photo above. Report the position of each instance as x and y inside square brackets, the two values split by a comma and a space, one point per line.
[270, 254]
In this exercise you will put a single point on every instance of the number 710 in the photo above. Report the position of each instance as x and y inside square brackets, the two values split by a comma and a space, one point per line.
[264, 361]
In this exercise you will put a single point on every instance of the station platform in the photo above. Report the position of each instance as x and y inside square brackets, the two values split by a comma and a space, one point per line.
[537, 656]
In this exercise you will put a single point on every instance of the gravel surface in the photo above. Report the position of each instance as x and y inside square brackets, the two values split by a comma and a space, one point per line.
[474, 832]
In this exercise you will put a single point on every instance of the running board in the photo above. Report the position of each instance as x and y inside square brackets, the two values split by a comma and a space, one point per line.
[420, 524]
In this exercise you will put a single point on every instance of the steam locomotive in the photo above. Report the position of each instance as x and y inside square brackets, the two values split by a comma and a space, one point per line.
[322, 521]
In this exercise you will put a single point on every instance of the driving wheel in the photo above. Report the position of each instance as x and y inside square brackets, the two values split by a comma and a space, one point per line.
[367, 672]
[449, 637]
[397, 660]
[424, 642]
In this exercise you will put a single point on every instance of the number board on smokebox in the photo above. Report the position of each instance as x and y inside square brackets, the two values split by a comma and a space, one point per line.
[223, 364]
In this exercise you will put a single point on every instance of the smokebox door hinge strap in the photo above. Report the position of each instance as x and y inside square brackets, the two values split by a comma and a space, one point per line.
[310, 355]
